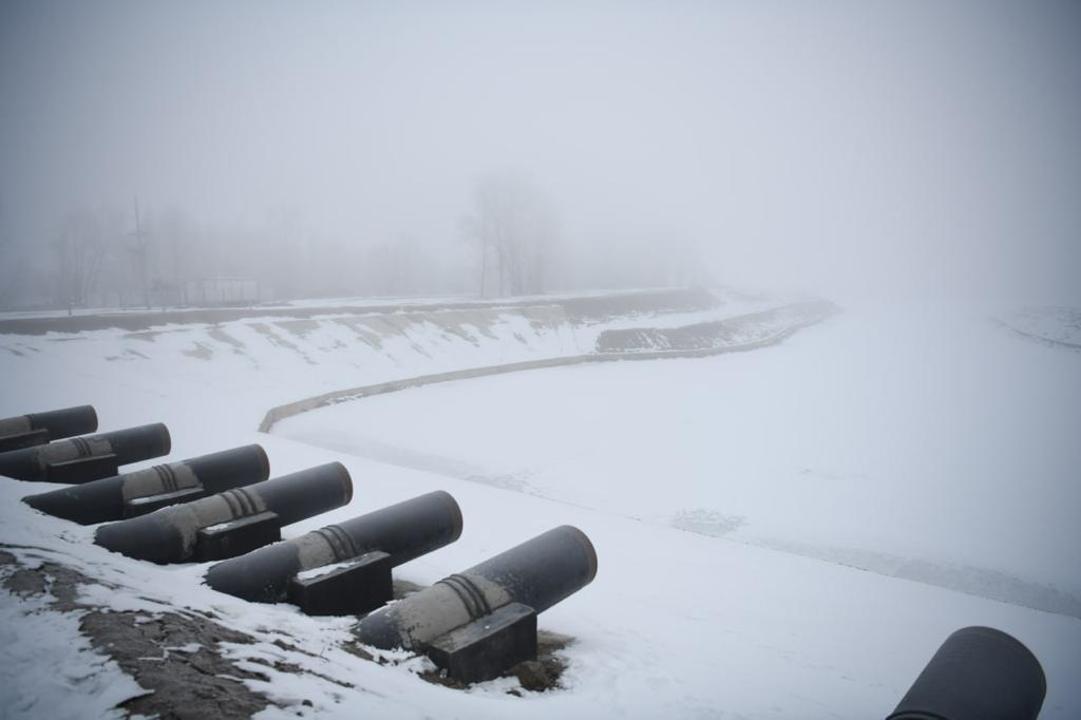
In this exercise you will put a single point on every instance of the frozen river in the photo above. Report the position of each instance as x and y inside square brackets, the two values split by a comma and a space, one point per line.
[937, 448]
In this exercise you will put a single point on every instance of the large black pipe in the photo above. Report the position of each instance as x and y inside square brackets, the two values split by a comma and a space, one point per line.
[129, 445]
[404, 531]
[979, 673]
[119, 496]
[169, 535]
[39, 428]
[538, 573]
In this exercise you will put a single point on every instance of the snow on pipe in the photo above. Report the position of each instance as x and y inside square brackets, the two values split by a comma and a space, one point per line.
[404, 531]
[170, 534]
[142, 491]
[538, 573]
[127, 446]
[979, 673]
[39, 428]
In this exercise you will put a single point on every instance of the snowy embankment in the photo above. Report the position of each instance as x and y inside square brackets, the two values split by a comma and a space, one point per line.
[738, 333]
[252, 359]
[752, 613]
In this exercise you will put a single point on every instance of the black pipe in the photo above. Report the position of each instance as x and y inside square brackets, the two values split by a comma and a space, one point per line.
[170, 534]
[119, 496]
[39, 428]
[128, 445]
[538, 573]
[404, 531]
[979, 673]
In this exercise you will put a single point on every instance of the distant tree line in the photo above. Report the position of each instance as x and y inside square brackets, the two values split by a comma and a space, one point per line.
[108, 257]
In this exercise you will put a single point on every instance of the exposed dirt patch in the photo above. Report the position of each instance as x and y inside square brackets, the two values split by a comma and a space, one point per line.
[173, 655]
[299, 328]
[25, 583]
[217, 334]
[274, 338]
[199, 351]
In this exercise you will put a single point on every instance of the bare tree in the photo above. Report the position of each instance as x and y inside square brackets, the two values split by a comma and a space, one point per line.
[139, 248]
[175, 236]
[472, 233]
[78, 253]
[513, 227]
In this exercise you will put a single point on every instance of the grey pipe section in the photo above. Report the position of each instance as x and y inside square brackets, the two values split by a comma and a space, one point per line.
[169, 535]
[979, 673]
[58, 423]
[404, 531]
[129, 445]
[104, 500]
[538, 573]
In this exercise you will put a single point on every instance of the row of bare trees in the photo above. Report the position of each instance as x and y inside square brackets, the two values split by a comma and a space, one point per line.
[519, 250]
[109, 257]
[106, 258]
[82, 250]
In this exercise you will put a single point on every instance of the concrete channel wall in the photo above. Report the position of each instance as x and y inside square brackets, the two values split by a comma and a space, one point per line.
[587, 308]
[778, 323]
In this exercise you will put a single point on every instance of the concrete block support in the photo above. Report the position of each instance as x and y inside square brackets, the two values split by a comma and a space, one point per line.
[485, 648]
[81, 470]
[237, 537]
[358, 586]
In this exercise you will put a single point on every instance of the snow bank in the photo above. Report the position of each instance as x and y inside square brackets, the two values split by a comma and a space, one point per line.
[682, 472]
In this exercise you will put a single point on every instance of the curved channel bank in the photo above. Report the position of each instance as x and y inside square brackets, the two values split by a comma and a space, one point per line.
[738, 334]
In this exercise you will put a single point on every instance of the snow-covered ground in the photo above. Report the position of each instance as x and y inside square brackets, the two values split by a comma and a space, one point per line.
[736, 502]
[905, 442]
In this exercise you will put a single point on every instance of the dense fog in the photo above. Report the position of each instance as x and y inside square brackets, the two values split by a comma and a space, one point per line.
[853, 149]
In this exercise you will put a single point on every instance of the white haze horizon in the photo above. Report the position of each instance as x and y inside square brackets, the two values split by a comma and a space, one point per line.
[852, 149]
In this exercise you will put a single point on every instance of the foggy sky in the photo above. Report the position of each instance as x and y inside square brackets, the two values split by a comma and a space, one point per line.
[852, 148]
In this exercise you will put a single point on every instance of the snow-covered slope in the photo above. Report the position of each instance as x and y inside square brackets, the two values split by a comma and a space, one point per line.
[720, 591]
[257, 358]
